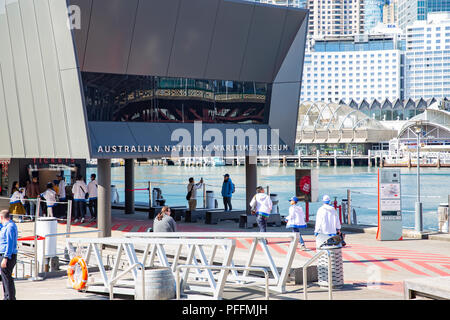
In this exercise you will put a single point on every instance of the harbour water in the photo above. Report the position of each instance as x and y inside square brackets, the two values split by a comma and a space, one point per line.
[362, 181]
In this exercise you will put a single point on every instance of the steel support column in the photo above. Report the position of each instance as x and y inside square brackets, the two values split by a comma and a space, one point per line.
[104, 197]
[250, 180]
[129, 186]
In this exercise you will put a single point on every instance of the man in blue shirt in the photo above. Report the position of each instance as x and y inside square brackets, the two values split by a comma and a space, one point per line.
[8, 254]
[227, 192]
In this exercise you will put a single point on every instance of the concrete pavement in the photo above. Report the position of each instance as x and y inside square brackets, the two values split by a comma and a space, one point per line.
[372, 269]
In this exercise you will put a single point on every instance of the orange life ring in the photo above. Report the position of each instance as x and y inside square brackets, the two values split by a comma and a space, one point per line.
[71, 273]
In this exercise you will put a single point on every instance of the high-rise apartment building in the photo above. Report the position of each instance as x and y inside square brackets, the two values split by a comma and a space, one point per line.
[333, 18]
[390, 12]
[373, 13]
[413, 10]
[428, 57]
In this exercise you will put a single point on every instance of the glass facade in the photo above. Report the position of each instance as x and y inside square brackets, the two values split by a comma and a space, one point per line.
[373, 13]
[333, 46]
[413, 10]
[111, 97]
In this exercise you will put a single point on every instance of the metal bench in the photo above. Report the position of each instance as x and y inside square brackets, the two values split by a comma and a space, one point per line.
[249, 221]
[437, 288]
[197, 214]
[214, 217]
[153, 211]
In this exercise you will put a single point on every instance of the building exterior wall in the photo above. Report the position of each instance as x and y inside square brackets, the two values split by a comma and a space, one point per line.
[335, 17]
[40, 94]
[410, 11]
[349, 72]
[373, 14]
[428, 58]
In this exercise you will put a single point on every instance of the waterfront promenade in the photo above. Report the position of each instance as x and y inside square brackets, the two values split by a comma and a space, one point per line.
[372, 269]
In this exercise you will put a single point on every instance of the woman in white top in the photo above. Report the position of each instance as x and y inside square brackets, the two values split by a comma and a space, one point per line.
[17, 201]
[296, 219]
[50, 197]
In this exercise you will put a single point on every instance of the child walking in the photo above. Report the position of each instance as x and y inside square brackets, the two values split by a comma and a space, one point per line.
[296, 219]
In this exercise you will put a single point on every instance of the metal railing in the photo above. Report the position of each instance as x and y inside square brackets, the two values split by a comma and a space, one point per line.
[330, 274]
[113, 281]
[44, 256]
[226, 268]
[279, 278]
[127, 246]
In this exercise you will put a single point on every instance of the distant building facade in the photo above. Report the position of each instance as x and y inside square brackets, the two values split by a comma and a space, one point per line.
[428, 57]
[410, 11]
[333, 18]
[390, 12]
[364, 67]
[373, 14]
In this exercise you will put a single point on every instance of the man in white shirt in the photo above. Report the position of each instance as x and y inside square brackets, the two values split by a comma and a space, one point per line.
[92, 190]
[261, 205]
[192, 188]
[79, 191]
[327, 220]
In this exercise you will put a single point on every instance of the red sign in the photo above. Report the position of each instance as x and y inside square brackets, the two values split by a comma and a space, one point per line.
[305, 184]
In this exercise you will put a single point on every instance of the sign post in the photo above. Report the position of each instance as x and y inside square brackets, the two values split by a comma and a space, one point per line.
[390, 225]
[306, 187]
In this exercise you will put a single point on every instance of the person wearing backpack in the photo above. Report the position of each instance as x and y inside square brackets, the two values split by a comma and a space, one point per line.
[227, 192]
[191, 196]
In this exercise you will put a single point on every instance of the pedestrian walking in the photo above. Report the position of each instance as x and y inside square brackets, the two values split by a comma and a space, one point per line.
[50, 197]
[327, 220]
[16, 201]
[62, 207]
[79, 190]
[33, 193]
[92, 189]
[227, 192]
[191, 196]
[8, 254]
[296, 219]
[261, 205]
[164, 222]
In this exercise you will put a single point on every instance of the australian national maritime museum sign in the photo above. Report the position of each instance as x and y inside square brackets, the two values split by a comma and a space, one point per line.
[211, 142]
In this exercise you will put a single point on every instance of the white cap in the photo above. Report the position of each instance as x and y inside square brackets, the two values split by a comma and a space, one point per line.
[326, 198]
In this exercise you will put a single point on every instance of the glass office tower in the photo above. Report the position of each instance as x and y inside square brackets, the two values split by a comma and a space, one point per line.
[413, 10]
[373, 13]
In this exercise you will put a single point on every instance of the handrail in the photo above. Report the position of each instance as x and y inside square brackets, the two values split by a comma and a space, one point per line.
[330, 274]
[209, 267]
[60, 234]
[113, 281]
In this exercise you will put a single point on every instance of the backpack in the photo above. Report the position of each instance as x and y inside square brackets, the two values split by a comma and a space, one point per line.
[232, 187]
[188, 196]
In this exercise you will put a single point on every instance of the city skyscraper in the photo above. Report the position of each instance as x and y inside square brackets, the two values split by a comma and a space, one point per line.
[332, 18]
[428, 57]
[390, 12]
[373, 13]
[413, 10]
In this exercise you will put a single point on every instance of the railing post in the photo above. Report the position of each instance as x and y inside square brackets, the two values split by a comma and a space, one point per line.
[204, 195]
[36, 268]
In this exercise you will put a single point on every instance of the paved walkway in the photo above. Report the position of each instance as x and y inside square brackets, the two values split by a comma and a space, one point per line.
[372, 269]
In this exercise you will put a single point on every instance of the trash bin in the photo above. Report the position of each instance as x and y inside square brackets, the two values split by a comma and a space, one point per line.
[210, 204]
[337, 264]
[114, 194]
[44, 226]
[443, 213]
[274, 198]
